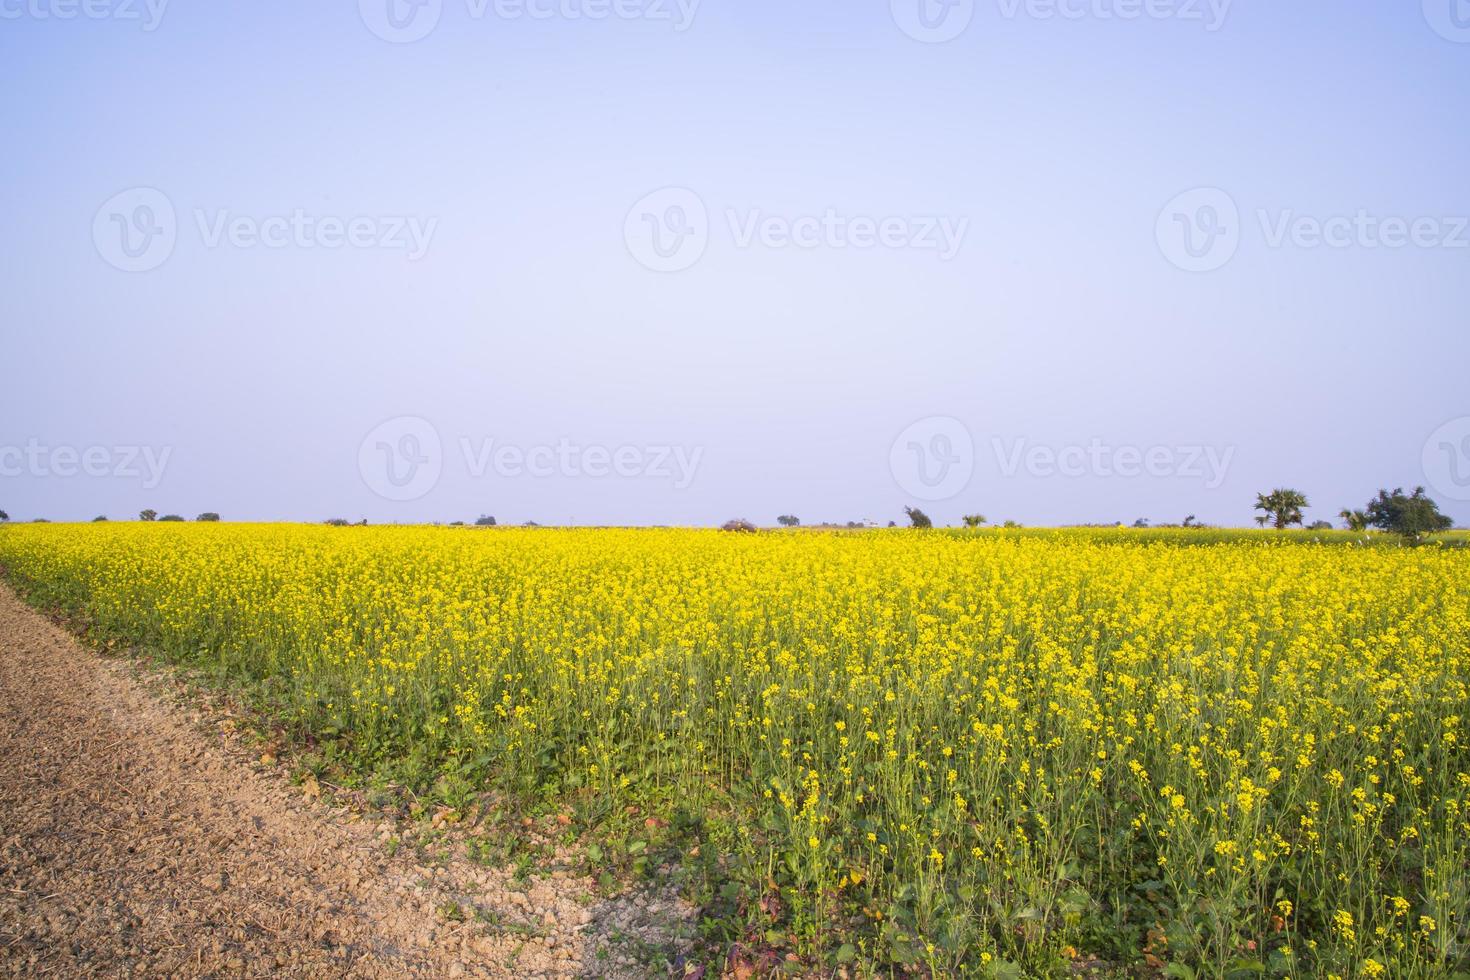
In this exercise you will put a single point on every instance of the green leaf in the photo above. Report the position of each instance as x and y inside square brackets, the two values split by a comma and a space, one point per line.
[846, 953]
[1006, 970]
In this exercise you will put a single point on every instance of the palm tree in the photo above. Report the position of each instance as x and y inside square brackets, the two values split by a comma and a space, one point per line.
[1353, 520]
[1282, 507]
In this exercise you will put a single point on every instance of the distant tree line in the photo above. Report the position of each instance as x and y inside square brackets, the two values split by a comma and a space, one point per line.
[1411, 515]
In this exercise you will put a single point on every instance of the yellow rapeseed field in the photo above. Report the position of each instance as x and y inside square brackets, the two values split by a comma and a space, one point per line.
[993, 753]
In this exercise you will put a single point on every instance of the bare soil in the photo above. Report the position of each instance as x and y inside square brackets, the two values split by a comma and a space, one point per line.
[140, 836]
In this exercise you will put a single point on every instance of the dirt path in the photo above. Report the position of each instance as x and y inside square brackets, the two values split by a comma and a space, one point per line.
[133, 842]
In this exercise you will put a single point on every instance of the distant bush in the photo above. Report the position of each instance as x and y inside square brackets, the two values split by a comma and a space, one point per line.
[99, 518]
[788, 520]
[1412, 515]
[4, 517]
[974, 520]
[170, 517]
[208, 515]
[917, 518]
[336, 522]
[1189, 524]
[484, 520]
[739, 525]
[147, 515]
[1320, 526]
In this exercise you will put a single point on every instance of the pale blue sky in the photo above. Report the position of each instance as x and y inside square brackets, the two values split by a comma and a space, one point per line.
[518, 147]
